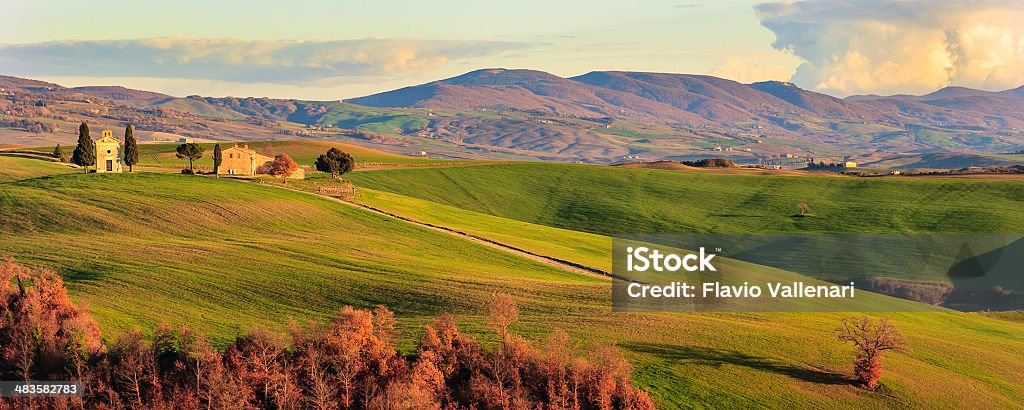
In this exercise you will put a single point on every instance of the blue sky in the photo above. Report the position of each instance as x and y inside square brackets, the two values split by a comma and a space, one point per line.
[343, 49]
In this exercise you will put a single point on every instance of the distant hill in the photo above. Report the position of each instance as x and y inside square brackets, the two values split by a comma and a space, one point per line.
[938, 161]
[601, 116]
[111, 92]
[24, 84]
[526, 90]
[819, 104]
[652, 96]
[1015, 93]
[118, 93]
[950, 92]
[703, 102]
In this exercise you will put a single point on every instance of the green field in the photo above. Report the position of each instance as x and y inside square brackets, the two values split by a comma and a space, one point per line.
[607, 200]
[222, 255]
[240, 253]
[583, 248]
[14, 168]
[379, 120]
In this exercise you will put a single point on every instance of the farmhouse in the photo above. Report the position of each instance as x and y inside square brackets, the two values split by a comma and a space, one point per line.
[242, 161]
[108, 153]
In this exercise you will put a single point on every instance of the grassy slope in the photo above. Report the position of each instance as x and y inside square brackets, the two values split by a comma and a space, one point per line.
[200, 108]
[259, 255]
[224, 253]
[851, 205]
[14, 168]
[583, 248]
[379, 120]
[608, 200]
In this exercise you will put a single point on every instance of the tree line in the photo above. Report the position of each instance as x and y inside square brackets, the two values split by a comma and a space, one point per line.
[349, 363]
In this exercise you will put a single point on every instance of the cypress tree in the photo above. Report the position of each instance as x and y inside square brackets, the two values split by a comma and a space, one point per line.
[58, 153]
[85, 153]
[131, 148]
[218, 158]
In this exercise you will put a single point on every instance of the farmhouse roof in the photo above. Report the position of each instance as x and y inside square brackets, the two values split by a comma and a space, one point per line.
[248, 151]
[244, 149]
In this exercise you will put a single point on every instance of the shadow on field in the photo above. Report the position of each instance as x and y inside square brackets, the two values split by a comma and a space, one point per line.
[716, 357]
[75, 277]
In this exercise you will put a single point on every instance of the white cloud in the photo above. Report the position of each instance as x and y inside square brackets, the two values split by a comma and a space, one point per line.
[294, 62]
[900, 46]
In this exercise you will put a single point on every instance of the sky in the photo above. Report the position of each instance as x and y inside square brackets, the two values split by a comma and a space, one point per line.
[337, 49]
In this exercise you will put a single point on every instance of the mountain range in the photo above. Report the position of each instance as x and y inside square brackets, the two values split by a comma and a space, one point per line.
[602, 116]
[699, 100]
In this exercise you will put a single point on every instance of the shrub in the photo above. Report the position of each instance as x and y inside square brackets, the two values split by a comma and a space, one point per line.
[711, 163]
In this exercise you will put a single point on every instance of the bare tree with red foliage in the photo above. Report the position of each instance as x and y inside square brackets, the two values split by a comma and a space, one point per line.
[283, 167]
[871, 338]
[349, 363]
[41, 332]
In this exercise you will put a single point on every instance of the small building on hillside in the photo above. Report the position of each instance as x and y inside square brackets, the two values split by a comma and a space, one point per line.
[849, 164]
[108, 153]
[238, 160]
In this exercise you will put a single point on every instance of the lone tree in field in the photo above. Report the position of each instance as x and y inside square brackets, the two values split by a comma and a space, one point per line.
[870, 338]
[336, 162]
[218, 158]
[131, 148]
[58, 153]
[283, 167]
[191, 151]
[85, 152]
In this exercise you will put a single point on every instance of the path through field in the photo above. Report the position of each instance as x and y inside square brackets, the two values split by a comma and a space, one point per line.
[547, 260]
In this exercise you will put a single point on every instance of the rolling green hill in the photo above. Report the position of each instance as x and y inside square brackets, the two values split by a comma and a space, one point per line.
[612, 200]
[14, 168]
[583, 248]
[221, 255]
[379, 120]
[240, 253]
